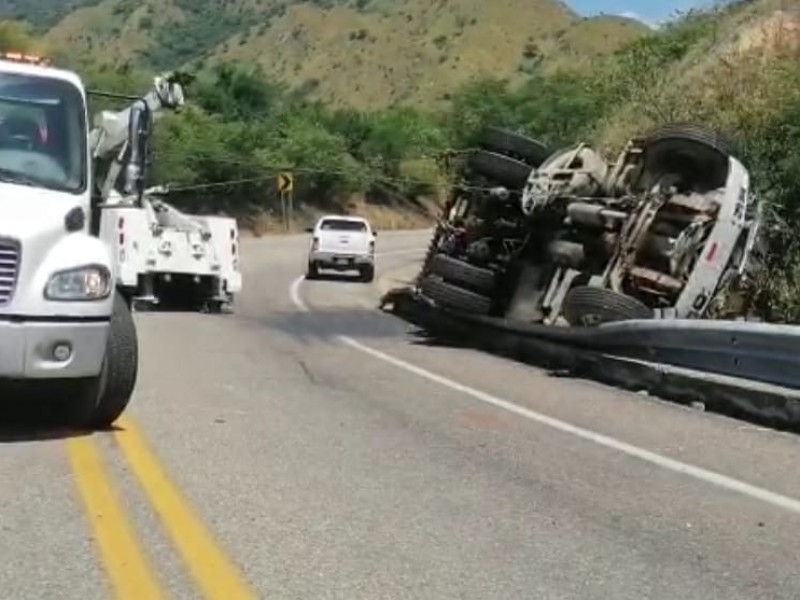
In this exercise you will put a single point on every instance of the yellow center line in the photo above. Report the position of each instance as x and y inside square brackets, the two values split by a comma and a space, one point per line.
[125, 562]
[216, 575]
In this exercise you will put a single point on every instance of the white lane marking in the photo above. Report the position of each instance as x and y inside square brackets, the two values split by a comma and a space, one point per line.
[676, 466]
[294, 294]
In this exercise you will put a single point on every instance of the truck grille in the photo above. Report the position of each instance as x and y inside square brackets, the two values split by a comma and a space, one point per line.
[9, 265]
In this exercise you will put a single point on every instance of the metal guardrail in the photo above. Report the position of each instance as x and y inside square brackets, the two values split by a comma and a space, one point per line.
[756, 351]
[744, 369]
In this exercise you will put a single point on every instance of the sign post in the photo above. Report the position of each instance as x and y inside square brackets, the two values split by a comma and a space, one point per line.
[285, 188]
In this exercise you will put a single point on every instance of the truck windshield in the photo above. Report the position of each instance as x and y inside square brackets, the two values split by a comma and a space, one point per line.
[43, 134]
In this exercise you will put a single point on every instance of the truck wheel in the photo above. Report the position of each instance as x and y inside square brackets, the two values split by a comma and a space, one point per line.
[515, 145]
[508, 172]
[460, 272]
[450, 296]
[587, 306]
[213, 307]
[698, 153]
[108, 396]
[716, 140]
[313, 271]
[368, 273]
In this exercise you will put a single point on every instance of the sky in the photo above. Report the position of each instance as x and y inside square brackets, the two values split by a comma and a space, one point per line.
[649, 11]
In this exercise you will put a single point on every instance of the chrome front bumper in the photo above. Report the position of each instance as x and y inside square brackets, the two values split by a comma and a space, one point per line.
[28, 348]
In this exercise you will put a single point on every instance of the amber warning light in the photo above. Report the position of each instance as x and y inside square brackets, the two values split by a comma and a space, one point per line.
[24, 58]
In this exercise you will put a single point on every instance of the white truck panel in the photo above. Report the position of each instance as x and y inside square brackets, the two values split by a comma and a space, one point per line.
[31, 327]
[69, 252]
[37, 224]
[705, 277]
[225, 237]
[146, 242]
[127, 234]
[183, 252]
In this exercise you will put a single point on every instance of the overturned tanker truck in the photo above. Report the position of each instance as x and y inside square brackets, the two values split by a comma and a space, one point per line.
[670, 230]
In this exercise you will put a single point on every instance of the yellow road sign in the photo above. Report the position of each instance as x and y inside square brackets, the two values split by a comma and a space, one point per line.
[285, 182]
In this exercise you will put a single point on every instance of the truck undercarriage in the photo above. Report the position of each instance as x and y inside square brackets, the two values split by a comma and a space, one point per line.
[668, 230]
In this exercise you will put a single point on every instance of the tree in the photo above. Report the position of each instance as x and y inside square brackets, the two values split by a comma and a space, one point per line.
[236, 92]
[15, 37]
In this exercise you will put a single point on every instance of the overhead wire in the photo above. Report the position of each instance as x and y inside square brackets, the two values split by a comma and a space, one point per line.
[272, 170]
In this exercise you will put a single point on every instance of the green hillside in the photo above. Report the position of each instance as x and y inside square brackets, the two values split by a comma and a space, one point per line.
[354, 53]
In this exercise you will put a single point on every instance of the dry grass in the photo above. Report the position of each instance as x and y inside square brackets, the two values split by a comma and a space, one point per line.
[99, 31]
[731, 79]
[383, 217]
[382, 220]
[413, 52]
[417, 52]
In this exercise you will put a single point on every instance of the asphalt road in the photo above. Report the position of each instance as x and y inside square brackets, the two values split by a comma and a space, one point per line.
[310, 446]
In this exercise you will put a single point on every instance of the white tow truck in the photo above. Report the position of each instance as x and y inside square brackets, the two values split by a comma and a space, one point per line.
[164, 256]
[65, 325]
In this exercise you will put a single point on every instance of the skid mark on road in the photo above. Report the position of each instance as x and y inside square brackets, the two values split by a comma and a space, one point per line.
[217, 576]
[653, 458]
[131, 575]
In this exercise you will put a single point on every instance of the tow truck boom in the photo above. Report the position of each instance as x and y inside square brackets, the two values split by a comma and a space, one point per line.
[116, 134]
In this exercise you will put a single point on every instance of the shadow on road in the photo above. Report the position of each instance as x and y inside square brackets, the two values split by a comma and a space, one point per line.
[173, 307]
[338, 277]
[420, 337]
[38, 433]
[35, 418]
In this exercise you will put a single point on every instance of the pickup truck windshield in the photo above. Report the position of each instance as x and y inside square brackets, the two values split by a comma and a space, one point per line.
[342, 225]
[43, 133]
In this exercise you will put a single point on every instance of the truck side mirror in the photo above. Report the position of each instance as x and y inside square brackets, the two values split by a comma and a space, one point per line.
[309, 230]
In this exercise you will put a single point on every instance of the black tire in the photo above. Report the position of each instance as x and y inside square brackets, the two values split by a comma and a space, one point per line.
[212, 307]
[367, 274]
[590, 306]
[448, 295]
[698, 153]
[139, 305]
[508, 172]
[716, 140]
[515, 145]
[313, 271]
[106, 398]
[459, 272]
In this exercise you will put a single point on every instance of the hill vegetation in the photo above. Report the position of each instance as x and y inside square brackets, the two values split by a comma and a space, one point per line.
[732, 67]
[362, 54]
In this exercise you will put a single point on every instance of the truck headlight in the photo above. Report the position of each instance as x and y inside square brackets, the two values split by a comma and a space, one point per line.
[92, 282]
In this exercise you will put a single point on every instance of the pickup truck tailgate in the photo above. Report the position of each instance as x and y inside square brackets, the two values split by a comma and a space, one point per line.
[344, 242]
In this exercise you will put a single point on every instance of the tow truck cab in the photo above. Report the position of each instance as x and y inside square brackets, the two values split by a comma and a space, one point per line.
[56, 279]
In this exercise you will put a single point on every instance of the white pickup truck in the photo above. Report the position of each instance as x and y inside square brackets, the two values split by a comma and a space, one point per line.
[342, 243]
